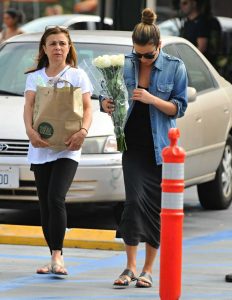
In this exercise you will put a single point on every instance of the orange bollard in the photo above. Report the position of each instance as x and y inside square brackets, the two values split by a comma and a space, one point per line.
[172, 217]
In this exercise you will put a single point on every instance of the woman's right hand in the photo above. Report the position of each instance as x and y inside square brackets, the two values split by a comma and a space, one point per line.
[108, 106]
[36, 139]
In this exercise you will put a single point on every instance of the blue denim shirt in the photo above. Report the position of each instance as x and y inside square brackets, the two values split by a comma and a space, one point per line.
[168, 82]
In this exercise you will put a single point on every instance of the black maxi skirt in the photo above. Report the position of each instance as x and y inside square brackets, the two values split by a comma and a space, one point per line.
[140, 220]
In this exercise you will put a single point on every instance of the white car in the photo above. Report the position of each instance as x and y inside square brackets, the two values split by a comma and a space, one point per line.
[71, 21]
[206, 128]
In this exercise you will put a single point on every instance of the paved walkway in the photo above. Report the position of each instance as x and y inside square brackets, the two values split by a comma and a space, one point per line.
[206, 260]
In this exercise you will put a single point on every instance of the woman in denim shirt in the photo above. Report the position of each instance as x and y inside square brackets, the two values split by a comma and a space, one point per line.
[157, 87]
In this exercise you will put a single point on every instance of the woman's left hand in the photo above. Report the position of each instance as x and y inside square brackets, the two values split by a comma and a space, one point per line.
[142, 95]
[76, 140]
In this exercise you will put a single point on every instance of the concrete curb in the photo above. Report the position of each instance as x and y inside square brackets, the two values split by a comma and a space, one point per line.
[74, 238]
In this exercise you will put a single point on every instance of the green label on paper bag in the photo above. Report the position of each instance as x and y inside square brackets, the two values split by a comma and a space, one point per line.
[45, 130]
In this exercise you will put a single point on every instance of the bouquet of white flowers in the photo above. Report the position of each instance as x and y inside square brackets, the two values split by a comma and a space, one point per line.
[111, 67]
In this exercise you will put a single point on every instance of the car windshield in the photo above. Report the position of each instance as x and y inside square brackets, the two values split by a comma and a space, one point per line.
[17, 58]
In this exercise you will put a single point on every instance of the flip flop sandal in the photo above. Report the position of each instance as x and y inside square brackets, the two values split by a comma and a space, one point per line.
[123, 277]
[55, 269]
[144, 278]
[47, 267]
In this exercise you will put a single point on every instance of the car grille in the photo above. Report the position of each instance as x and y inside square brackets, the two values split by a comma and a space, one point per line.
[80, 191]
[13, 147]
[26, 191]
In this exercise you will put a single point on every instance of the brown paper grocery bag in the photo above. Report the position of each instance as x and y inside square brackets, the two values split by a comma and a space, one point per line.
[58, 113]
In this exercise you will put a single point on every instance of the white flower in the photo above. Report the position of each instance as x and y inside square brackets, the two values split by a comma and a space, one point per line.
[98, 62]
[102, 61]
[111, 68]
[117, 60]
[107, 61]
[121, 59]
[114, 60]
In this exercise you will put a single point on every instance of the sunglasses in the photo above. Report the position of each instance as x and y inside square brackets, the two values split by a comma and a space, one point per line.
[150, 55]
[56, 26]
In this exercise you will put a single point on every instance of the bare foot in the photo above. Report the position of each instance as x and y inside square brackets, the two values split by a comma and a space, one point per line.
[58, 268]
[144, 280]
[124, 279]
[46, 269]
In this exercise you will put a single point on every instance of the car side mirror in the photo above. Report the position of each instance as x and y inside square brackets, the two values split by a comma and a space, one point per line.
[191, 94]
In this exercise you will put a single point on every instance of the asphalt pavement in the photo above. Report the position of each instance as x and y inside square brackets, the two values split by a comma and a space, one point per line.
[207, 257]
[206, 260]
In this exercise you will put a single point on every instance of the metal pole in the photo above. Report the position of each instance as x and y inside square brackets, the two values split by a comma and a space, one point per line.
[115, 14]
[102, 14]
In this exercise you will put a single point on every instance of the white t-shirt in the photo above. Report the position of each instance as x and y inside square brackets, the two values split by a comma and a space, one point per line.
[78, 78]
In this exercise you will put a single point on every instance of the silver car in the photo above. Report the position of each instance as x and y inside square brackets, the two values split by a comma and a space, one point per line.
[206, 128]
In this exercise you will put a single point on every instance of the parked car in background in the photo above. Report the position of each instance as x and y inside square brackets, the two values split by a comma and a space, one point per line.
[164, 13]
[172, 27]
[71, 21]
[206, 128]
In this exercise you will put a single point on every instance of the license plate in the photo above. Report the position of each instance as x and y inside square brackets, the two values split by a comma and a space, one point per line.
[9, 177]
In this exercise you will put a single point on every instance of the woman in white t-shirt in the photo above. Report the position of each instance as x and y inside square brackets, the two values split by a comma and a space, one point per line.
[55, 170]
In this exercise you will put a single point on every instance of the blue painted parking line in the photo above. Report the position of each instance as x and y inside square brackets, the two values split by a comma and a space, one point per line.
[39, 257]
[206, 239]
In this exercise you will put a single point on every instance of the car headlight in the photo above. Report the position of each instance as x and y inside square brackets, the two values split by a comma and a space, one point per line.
[99, 144]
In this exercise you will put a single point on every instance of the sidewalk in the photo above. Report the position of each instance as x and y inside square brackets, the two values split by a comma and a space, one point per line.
[206, 260]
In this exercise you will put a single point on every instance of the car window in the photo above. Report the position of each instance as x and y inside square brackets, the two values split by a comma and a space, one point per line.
[82, 26]
[105, 26]
[198, 74]
[89, 26]
[171, 50]
[16, 58]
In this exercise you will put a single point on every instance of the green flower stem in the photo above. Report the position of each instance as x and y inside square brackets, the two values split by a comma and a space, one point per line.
[116, 89]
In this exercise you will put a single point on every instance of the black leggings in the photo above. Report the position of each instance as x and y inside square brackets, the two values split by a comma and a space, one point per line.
[53, 180]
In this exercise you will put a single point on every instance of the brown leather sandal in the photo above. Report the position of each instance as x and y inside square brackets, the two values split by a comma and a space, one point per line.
[124, 278]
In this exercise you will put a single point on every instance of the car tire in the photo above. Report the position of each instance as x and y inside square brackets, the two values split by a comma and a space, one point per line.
[217, 194]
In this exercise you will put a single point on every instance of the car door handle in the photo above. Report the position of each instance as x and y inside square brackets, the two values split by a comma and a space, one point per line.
[226, 110]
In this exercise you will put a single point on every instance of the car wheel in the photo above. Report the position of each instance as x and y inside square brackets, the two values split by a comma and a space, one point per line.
[217, 194]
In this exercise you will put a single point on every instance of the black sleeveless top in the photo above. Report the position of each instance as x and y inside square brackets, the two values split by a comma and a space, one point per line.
[138, 132]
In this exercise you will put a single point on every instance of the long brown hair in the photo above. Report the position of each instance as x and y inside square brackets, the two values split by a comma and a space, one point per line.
[42, 59]
[146, 32]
